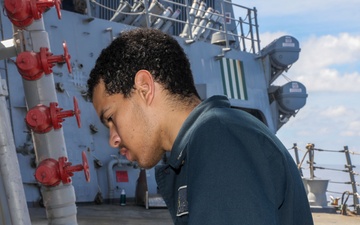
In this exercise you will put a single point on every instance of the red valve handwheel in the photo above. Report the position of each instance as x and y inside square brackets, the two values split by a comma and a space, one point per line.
[86, 167]
[57, 6]
[35, 13]
[67, 57]
[40, 6]
[77, 112]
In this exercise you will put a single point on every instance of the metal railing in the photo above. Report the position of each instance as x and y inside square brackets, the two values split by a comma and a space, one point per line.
[348, 168]
[240, 33]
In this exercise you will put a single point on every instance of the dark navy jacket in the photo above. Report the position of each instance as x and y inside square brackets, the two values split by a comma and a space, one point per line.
[226, 167]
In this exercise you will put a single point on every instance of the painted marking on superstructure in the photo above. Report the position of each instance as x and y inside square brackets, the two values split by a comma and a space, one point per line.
[233, 78]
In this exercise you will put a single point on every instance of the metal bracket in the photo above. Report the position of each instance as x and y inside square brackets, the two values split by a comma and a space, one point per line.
[7, 49]
[189, 41]
[110, 30]
[223, 51]
[22, 40]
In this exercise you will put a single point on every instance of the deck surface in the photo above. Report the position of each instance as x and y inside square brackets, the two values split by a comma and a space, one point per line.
[106, 214]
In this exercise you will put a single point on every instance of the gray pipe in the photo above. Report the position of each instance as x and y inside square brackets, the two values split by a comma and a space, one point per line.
[60, 200]
[15, 211]
[110, 173]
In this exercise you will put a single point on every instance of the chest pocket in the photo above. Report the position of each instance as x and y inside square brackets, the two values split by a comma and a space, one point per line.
[182, 203]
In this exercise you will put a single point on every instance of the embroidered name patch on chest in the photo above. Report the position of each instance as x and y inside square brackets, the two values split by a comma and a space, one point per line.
[182, 207]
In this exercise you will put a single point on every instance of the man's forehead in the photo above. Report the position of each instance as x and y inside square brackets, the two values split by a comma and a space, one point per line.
[98, 94]
[100, 86]
[99, 91]
[101, 96]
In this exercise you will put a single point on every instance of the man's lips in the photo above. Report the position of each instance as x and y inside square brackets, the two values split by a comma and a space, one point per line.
[126, 153]
[123, 151]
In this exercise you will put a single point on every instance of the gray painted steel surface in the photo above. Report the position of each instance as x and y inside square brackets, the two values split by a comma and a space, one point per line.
[13, 208]
[234, 69]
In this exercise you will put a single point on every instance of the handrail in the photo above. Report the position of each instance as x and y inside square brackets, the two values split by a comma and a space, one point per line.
[348, 169]
[245, 31]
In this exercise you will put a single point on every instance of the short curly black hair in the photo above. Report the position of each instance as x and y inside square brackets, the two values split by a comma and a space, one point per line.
[143, 49]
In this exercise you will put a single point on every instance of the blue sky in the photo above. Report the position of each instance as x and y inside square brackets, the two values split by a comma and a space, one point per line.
[329, 67]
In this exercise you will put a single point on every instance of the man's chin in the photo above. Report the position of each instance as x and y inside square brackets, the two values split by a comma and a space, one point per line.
[146, 165]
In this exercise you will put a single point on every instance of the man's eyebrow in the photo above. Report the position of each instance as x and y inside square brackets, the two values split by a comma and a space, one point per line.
[102, 112]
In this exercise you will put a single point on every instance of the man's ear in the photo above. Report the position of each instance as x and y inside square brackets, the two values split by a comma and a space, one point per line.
[145, 86]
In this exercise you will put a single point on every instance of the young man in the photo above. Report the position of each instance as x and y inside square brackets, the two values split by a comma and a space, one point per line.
[225, 166]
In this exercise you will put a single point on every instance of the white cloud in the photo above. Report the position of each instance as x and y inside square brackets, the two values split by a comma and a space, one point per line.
[355, 125]
[329, 50]
[353, 129]
[345, 118]
[319, 7]
[330, 80]
[321, 60]
[337, 111]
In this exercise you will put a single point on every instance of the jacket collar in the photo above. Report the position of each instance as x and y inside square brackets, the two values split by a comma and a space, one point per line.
[178, 154]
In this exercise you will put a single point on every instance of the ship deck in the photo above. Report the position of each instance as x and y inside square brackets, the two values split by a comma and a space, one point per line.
[109, 214]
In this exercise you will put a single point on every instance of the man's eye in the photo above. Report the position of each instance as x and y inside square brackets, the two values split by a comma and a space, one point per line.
[109, 119]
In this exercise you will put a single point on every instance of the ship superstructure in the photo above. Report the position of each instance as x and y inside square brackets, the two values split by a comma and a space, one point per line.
[47, 52]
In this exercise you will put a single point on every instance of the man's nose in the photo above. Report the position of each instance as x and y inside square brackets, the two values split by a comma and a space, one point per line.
[114, 139]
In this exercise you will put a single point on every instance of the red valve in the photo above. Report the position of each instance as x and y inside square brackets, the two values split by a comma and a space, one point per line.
[50, 172]
[42, 118]
[77, 112]
[57, 116]
[67, 57]
[32, 65]
[43, 5]
[38, 119]
[28, 65]
[23, 12]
